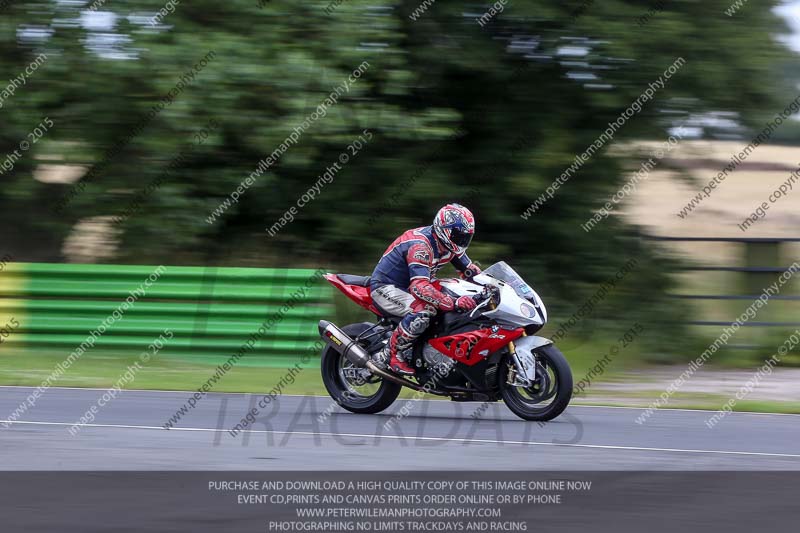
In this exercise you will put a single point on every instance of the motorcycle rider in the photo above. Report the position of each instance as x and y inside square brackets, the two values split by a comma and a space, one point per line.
[401, 283]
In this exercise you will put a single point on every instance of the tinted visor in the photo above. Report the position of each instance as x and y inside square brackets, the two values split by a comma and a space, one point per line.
[460, 238]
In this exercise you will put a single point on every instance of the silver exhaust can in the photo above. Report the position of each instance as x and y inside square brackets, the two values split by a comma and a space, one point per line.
[342, 343]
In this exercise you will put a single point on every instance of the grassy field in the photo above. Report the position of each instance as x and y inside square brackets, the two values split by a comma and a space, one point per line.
[683, 400]
[103, 370]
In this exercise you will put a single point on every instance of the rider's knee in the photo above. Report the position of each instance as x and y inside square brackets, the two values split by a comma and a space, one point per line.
[418, 323]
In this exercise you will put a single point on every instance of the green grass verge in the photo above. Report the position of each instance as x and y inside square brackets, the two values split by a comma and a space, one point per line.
[172, 373]
[94, 370]
[164, 372]
[103, 370]
[686, 400]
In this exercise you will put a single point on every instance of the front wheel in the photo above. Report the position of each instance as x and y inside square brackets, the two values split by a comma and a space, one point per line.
[550, 393]
[353, 388]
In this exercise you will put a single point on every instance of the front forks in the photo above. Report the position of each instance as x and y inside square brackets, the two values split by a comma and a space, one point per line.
[517, 375]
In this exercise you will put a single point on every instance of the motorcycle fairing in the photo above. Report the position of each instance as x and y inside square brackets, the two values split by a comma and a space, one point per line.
[471, 347]
[358, 294]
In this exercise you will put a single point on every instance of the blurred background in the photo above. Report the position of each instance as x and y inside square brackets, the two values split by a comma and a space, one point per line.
[207, 136]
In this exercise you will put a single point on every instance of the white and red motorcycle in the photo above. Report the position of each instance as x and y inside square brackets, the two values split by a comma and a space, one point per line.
[487, 354]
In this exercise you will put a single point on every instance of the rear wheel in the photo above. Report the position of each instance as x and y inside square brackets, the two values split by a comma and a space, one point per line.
[356, 389]
[550, 393]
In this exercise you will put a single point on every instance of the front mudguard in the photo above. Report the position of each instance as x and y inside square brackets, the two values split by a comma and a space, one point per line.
[532, 342]
[524, 355]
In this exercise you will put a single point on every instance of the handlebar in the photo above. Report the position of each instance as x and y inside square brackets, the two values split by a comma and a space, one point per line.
[483, 298]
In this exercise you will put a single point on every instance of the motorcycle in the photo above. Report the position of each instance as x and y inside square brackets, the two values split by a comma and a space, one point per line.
[484, 355]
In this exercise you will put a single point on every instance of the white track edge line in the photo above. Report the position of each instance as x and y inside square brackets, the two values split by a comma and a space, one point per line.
[404, 399]
[434, 439]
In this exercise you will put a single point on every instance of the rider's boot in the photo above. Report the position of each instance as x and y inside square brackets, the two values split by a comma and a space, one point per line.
[400, 351]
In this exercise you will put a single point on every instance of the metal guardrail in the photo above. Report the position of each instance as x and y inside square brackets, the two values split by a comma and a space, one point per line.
[210, 310]
[761, 263]
[724, 239]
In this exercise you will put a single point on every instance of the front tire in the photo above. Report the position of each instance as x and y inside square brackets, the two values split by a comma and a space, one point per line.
[553, 383]
[355, 389]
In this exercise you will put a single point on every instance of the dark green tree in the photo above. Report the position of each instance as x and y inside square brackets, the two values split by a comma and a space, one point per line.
[488, 115]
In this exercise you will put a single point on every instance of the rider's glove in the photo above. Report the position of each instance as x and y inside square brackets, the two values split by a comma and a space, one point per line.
[465, 303]
[471, 271]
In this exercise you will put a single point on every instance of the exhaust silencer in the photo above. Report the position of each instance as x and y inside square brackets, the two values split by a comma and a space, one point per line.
[342, 343]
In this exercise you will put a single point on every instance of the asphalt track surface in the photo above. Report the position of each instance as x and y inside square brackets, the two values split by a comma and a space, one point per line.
[292, 433]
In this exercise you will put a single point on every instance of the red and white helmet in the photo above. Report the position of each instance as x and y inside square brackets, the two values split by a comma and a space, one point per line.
[454, 227]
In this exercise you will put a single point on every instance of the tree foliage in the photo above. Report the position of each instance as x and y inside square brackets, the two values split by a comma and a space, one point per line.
[487, 115]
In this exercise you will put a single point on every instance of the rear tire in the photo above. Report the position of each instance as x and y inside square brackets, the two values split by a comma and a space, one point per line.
[372, 397]
[528, 403]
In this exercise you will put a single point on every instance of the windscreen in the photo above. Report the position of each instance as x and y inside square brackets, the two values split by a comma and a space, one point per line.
[505, 273]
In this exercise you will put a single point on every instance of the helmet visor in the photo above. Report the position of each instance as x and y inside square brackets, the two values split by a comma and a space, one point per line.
[461, 238]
